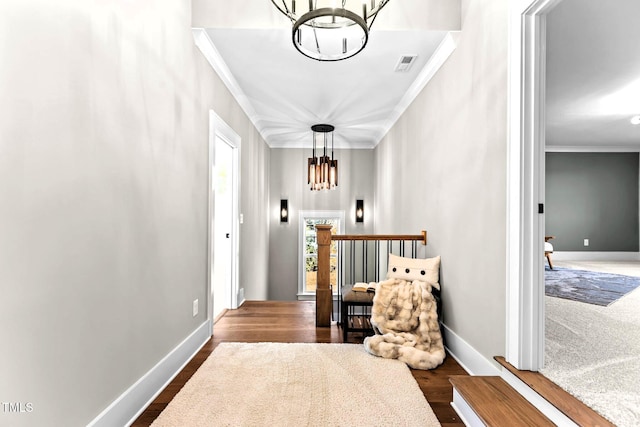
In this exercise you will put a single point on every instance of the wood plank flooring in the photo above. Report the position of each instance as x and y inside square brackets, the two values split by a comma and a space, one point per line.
[278, 321]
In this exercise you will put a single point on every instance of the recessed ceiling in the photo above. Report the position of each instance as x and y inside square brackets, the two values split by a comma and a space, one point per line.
[284, 92]
[593, 75]
[592, 81]
[290, 92]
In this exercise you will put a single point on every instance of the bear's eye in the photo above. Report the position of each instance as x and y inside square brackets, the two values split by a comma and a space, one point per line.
[407, 270]
[394, 269]
[423, 272]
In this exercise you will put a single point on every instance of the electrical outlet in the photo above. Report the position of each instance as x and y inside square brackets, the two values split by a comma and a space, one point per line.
[586, 242]
[195, 307]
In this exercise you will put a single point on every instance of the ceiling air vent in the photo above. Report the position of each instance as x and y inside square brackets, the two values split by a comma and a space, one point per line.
[405, 62]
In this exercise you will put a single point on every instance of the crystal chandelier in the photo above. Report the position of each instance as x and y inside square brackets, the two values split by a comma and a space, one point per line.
[330, 30]
[322, 171]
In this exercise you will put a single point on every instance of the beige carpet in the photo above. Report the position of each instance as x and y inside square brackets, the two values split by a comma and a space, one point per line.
[273, 384]
[593, 352]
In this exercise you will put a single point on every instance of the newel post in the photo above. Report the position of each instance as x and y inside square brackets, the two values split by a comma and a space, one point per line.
[324, 295]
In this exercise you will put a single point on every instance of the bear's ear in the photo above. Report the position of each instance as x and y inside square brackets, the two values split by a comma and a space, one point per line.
[410, 269]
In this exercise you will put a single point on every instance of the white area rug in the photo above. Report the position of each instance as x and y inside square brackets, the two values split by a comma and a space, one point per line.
[593, 352]
[274, 384]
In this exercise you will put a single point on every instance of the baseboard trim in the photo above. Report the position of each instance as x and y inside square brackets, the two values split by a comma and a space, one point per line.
[594, 256]
[468, 357]
[126, 408]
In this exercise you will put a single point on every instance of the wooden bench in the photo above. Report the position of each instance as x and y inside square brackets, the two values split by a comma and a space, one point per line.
[355, 312]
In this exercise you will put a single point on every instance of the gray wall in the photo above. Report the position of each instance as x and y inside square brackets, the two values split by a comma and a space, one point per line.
[592, 196]
[442, 167]
[254, 202]
[104, 120]
[288, 179]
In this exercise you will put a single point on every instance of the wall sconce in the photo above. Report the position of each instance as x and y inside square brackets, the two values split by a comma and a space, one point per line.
[359, 210]
[284, 210]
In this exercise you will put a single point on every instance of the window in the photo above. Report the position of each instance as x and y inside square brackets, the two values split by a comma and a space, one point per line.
[309, 248]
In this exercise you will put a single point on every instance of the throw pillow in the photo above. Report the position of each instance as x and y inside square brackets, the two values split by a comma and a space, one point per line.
[410, 269]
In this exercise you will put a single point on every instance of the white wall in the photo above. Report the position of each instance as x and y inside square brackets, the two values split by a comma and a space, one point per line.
[103, 198]
[443, 167]
[287, 180]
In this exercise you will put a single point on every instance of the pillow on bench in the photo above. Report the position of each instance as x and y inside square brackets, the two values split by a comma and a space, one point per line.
[410, 269]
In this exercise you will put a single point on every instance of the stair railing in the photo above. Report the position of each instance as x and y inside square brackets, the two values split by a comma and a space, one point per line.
[361, 258]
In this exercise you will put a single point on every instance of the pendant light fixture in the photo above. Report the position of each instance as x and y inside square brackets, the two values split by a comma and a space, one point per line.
[330, 30]
[322, 171]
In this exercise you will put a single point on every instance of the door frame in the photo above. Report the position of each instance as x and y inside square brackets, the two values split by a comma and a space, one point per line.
[302, 295]
[218, 128]
[526, 148]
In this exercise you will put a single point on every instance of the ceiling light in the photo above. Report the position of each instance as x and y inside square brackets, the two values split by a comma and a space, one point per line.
[330, 30]
[635, 120]
[322, 171]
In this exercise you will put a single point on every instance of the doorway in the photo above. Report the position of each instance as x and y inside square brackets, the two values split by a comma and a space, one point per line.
[223, 217]
[525, 244]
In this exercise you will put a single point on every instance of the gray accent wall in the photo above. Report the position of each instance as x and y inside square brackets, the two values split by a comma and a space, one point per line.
[288, 177]
[104, 122]
[442, 167]
[592, 196]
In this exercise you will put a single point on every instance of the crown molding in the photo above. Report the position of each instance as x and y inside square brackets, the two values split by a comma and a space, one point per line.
[208, 49]
[337, 145]
[439, 57]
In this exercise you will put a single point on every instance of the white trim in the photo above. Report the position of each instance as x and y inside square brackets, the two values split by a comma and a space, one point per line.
[591, 149]
[210, 215]
[307, 144]
[466, 413]
[302, 215]
[435, 62]
[208, 49]
[468, 357]
[128, 406]
[525, 184]
[306, 297]
[556, 416]
[241, 299]
[312, 297]
[218, 128]
[595, 256]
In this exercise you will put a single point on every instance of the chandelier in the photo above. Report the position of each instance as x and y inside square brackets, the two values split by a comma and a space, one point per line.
[322, 171]
[330, 30]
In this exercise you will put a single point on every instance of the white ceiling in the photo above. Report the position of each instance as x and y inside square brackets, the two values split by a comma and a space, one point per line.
[284, 92]
[593, 75]
[290, 92]
[593, 71]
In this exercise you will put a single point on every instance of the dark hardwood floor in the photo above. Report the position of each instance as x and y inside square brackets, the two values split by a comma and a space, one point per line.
[275, 321]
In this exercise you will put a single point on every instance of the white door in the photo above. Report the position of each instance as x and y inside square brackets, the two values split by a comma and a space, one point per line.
[223, 226]
[223, 242]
